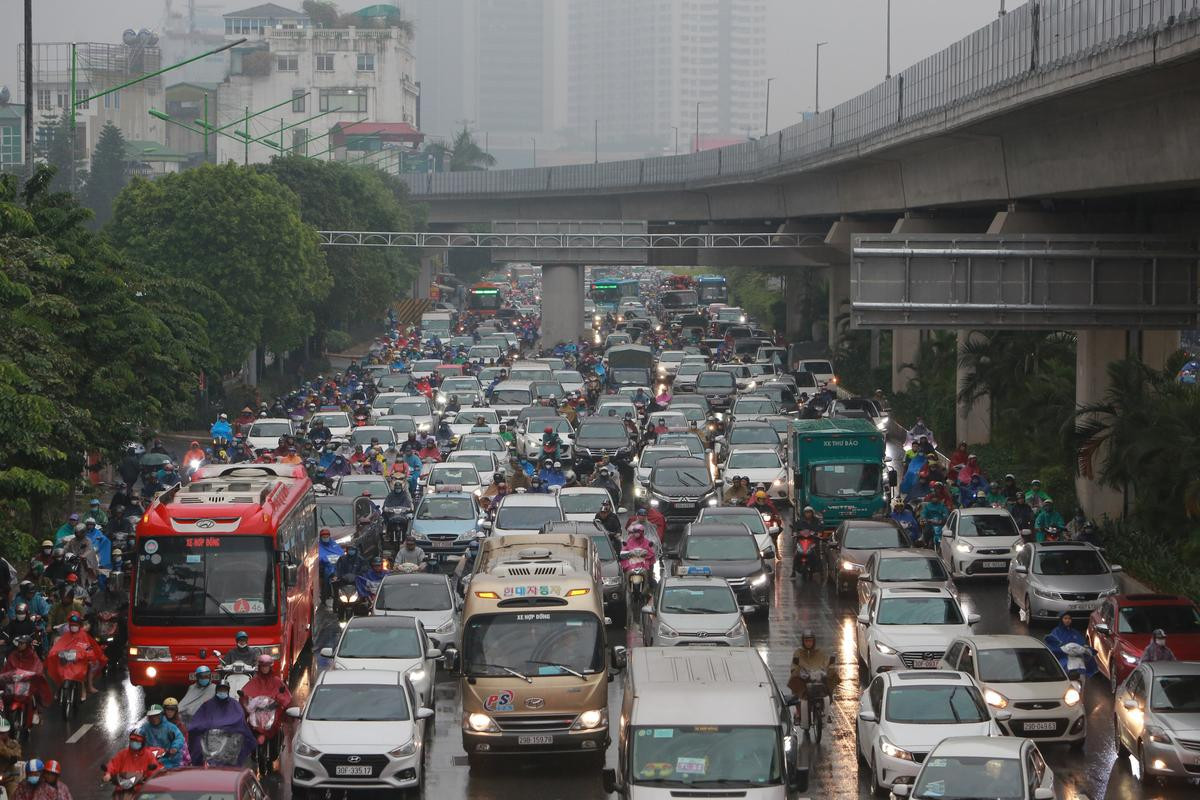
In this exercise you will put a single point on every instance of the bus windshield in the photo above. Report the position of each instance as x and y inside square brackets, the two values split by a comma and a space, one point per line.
[198, 580]
[533, 643]
[485, 299]
[608, 293]
[718, 756]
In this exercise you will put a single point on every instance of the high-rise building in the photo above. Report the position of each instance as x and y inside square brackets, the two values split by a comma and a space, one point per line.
[640, 67]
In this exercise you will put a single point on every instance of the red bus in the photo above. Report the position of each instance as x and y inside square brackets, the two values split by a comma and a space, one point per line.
[235, 549]
[483, 299]
[677, 282]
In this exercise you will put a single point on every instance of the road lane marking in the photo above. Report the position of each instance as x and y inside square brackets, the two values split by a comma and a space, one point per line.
[79, 734]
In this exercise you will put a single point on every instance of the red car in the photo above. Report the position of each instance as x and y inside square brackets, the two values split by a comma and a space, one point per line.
[198, 783]
[1120, 629]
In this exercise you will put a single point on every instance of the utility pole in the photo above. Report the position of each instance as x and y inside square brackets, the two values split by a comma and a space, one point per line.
[29, 88]
[534, 140]
[246, 124]
[767, 120]
[596, 141]
[888, 76]
[206, 127]
[1002, 11]
[676, 127]
[697, 149]
[72, 128]
[817, 98]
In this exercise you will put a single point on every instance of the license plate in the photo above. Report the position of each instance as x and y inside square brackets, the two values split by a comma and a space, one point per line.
[1082, 608]
[535, 740]
[443, 544]
[926, 663]
[994, 564]
[1039, 726]
[685, 505]
[353, 770]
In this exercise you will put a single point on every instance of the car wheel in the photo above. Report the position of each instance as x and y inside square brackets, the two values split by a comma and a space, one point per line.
[877, 788]
[1012, 604]
[1144, 777]
[1113, 683]
[1122, 750]
[1025, 613]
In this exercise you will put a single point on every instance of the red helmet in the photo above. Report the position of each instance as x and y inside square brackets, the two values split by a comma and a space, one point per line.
[53, 767]
[136, 736]
[325, 531]
[549, 429]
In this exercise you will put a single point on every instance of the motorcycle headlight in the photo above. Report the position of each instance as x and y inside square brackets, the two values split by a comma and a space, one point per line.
[850, 566]
[1128, 659]
[712, 501]
[995, 699]
[638, 491]
[895, 752]
[409, 748]
[654, 502]
[303, 749]
[194, 463]
[612, 581]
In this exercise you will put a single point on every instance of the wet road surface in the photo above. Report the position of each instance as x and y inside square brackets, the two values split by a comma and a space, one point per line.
[1095, 773]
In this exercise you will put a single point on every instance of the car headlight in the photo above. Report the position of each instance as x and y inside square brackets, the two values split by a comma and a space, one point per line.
[417, 674]
[1047, 595]
[480, 723]
[1071, 697]
[654, 502]
[738, 629]
[589, 720]
[995, 699]
[779, 481]
[890, 749]
[611, 581]
[883, 648]
[850, 566]
[150, 653]
[1110, 592]
[445, 627]
[1157, 735]
[1128, 659]
[666, 631]
[409, 748]
[761, 580]
[423, 426]
[712, 501]
[303, 749]
[963, 547]
[638, 491]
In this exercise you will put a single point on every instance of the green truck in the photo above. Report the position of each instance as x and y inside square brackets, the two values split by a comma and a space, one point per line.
[837, 467]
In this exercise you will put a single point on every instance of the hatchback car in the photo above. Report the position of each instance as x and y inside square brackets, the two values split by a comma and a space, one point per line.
[1048, 579]
[1121, 628]
[909, 628]
[360, 729]
[907, 567]
[982, 766]
[680, 487]
[427, 598]
[396, 643]
[748, 434]
[720, 388]
[686, 376]
[1158, 719]
[852, 544]
[694, 610]
[529, 437]
[749, 517]
[902, 715]
[979, 541]
[1020, 675]
[338, 422]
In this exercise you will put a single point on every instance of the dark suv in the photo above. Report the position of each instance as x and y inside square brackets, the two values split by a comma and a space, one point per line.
[719, 388]
[680, 487]
[603, 436]
[726, 551]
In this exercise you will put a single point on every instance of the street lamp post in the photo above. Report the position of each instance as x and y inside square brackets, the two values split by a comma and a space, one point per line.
[697, 148]
[596, 142]
[817, 94]
[676, 128]
[888, 75]
[534, 140]
[767, 119]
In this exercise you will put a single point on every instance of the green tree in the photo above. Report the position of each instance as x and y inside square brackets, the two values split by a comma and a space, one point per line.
[462, 155]
[52, 145]
[107, 176]
[237, 232]
[322, 14]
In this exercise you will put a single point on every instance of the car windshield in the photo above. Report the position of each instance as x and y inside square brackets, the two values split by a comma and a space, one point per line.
[364, 436]
[690, 369]
[1145, 619]
[567, 376]
[1019, 665]
[483, 442]
[754, 461]
[411, 407]
[1070, 562]
[697, 600]
[987, 525]
[408, 595]
[583, 502]
[265, 429]
[335, 516]
[532, 518]
[873, 538]
[453, 474]
[721, 548]
[670, 419]
[446, 508]
[696, 477]
[482, 463]
[819, 367]
[541, 643]
[338, 420]
[206, 580]
[970, 778]
[452, 385]
[375, 642]
[892, 570]
[426, 365]
[918, 611]
[748, 517]
[690, 441]
[560, 426]
[399, 424]
[358, 702]
[378, 487]
[651, 457]
[935, 705]
[715, 380]
[845, 480]
[1178, 694]
[604, 548]
[601, 429]
[712, 756]
[758, 434]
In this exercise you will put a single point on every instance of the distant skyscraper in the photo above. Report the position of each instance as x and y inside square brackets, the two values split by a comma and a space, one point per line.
[640, 67]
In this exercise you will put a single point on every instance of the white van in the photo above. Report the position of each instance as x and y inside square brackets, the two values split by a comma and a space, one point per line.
[704, 718]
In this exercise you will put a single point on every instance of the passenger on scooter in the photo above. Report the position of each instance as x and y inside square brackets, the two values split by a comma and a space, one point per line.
[902, 515]
[160, 733]
[329, 552]
[552, 474]
[199, 693]
[242, 652]
[220, 713]
[1157, 650]
[933, 517]
[266, 683]
[368, 583]
[1046, 519]
[136, 759]
[637, 540]
[171, 714]
[23, 664]
[761, 503]
[409, 554]
[737, 493]
[1036, 495]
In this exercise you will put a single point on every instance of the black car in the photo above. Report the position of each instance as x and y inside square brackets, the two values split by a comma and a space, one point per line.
[680, 487]
[852, 544]
[352, 521]
[603, 436]
[718, 387]
[726, 551]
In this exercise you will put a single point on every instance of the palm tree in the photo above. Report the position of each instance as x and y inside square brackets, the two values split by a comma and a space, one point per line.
[462, 155]
[1000, 364]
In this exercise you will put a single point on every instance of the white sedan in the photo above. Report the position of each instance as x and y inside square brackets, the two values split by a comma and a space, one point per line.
[453, 474]
[529, 443]
[338, 422]
[265, 432]
[466, 418]
[909, 628]
[761, 465]
[392, 643]
[582, 503]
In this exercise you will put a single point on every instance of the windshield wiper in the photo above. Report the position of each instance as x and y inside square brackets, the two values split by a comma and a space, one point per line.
[218, 603]
[509, 670]
[556, 665]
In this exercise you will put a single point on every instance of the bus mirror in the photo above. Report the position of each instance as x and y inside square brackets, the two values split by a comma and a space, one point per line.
[619, 657]
[291, 574]
[283, 557]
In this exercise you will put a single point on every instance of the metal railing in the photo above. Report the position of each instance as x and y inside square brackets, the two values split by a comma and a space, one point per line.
[1037, 37]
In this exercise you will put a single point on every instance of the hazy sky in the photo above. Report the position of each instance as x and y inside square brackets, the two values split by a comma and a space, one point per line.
[853, 61]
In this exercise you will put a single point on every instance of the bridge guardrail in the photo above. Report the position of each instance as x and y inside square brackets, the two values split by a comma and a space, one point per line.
[1039, 36]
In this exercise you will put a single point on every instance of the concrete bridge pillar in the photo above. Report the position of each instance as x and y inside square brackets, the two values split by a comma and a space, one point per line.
[841, 239]
[973, 423]
[426, 269]
[906, 343]
[839, 303]
[562, 303]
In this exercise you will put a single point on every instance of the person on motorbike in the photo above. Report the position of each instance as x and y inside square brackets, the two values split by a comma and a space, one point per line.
[920, 429]
[1022, 513]
[319, 433]
[100, 541]
[221, 428]
[42, 782]
[553, 474]
[933, 516]
[610, 523]
[136, 759]
[637, 540]
[497, 488]
[266, 683]
[903, 516]
[995, 495]
[23, 664]
[1046, 519]
[88, 659]
[170, 707]
[350, 565]
[411, 554]
[368, 582]
[199, 692]
[807, 661]
[736, 494]
[1157, 650]
[550, 442]
[1036, 495]
[761, 502]
[34, 602]
[223, 713]
[242, 652]
[1065, 634]
[10, 756]
[81, 547]
[157, 732]
[329, 552]
[430, 451]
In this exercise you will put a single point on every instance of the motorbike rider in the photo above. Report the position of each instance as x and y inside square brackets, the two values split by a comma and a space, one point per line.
[737, 493]
[1157, 650]
[199, 693]
[1046, 519]
[23, 658]
[171, 714]
[550, 442]
[933, 516]
[368, 582]
[81, 547]
[519, 472]
[319, 433]
[1022, 513]
[219, 713]
[329, 552]
[411, 554]
[195, 455]
[429, 450]
[497, 488]
[221, 429]
[761, 502]
[134, 759]
[34, 603]
[1065, 634]
[158, 732]
[266, 683]
[637, 540]
[101, 542]
[89, 657]
[903, 516]
[10, 756]
[242, 652]
[995, 495]
[807, 661]
[350, 565]
[1036, 495]
[552, 474]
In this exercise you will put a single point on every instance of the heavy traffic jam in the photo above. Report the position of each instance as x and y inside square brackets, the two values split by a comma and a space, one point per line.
[672, 558]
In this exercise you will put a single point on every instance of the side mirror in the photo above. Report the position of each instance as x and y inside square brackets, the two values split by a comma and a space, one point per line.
[867, 715]
[748, 609]
[973, 619]
[864, 618]
[424, 713]
[326, 652]
[1002, 716]
[1130, 704]
[485, 525]
[291, 574]
[481, 521]
[622, 510]
[1116, 568]
[433, 652]
[672, 553]
[863, 578]
[647, 609]
[450, 659]
[901, 789]
[1103, 629]
[1020, 569]
[620, 657]
[293, 712]
[1043, 793]
[608, 778]
[608, 621]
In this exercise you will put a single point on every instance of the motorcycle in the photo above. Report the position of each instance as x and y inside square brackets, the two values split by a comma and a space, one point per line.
[71, 689]
[774, 525]
[221, 748]
[18, 704]
[346, 602]
[237, 674]
[263, 717]
[637, 567]
[125, 784]
[108, 634]
[1053, 534]
[806, 557]
[1078, 660]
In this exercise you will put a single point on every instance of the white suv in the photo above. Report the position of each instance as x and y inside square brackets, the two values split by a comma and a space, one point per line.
[909, 628]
